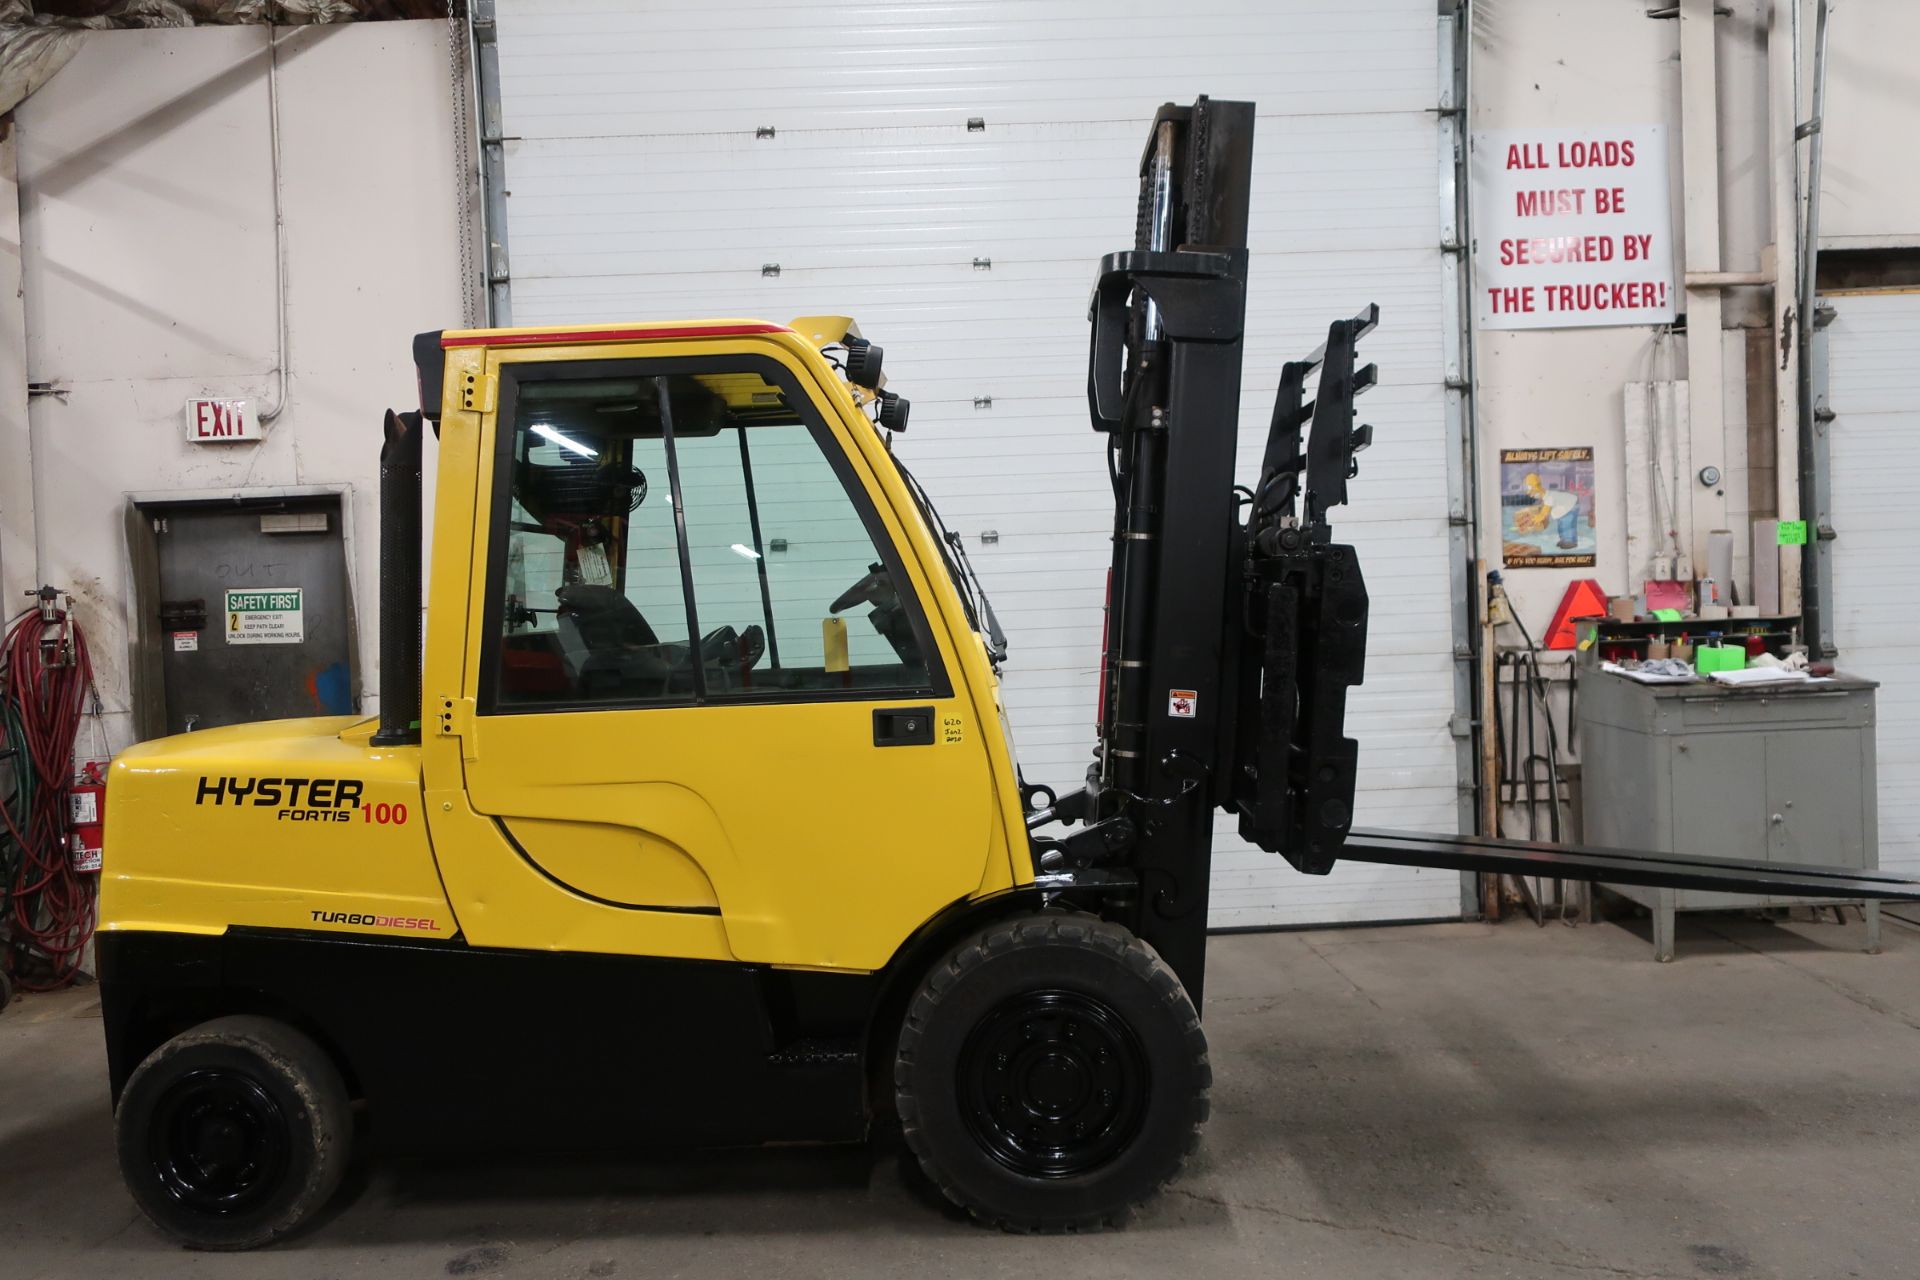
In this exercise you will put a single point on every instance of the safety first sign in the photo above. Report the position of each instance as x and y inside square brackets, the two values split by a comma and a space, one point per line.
[1572, 228]
[266, 617]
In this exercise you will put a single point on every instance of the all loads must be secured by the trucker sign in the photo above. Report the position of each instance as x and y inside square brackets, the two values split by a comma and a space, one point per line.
[274, 616]
[1572, 227]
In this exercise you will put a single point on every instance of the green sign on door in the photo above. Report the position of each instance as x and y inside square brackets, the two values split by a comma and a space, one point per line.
[274, 616]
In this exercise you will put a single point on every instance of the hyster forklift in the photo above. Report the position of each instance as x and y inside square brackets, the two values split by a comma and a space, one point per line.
[695, 820]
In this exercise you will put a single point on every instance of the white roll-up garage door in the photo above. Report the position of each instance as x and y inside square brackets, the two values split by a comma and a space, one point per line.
[1873, 389]
[949, 175]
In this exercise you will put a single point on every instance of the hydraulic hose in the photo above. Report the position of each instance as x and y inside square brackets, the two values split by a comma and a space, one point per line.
[47, 914]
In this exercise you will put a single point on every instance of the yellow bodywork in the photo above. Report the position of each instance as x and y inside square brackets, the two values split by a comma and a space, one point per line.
[773, 833]
[210, 831]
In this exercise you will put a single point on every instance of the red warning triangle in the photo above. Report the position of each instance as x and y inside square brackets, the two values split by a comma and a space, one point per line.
[1584, 599]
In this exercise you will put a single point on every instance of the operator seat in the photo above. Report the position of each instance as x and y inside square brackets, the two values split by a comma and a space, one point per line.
[602, 618]
[609, 649]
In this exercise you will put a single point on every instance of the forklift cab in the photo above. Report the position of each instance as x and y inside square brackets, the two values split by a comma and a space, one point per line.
[711, 681]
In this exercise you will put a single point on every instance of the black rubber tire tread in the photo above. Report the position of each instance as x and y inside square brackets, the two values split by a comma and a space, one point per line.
[1030, 951]
[309, 1087]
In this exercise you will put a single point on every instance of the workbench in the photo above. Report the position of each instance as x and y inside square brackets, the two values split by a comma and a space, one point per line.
[1783, 773]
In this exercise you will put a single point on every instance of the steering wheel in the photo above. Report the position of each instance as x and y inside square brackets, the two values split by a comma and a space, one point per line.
[889, 616]
[874, 589]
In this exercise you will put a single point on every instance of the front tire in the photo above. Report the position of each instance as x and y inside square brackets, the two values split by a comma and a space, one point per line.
[1051, 1074]
[234, 1134]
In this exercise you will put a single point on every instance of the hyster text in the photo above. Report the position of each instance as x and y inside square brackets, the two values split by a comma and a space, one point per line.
[297, 799]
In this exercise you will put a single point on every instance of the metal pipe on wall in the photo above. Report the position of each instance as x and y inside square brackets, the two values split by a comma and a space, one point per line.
[1812, 604]
[1700, 197]
[1783, 96]
[19, 524]
[279, 234]
[469, 207]
[1456, 235]
[1814, 131]
[493, 165]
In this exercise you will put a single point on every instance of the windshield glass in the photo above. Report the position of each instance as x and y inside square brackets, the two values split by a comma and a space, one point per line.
[980, 613]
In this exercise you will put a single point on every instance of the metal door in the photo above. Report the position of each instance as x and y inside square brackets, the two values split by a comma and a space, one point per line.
[950, 178]
[1809, 822]
[1874, 391]
[766, 784]
[1732, 769]
[254, 612]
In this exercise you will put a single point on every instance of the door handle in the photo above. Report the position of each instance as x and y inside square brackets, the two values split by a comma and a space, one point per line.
[903, 727]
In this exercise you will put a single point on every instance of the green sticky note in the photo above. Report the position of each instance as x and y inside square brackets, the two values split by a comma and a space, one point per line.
[1793, 533]
[1667, 615]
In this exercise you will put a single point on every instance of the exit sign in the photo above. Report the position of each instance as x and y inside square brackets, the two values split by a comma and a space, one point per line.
[221, 421]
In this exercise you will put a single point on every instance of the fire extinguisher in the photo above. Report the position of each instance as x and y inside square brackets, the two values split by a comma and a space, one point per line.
[87, 815]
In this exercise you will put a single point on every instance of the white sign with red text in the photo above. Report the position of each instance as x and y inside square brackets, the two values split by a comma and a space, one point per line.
[222, 421]
[1572, 227]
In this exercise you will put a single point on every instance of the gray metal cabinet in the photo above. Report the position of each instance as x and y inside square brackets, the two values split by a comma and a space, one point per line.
[1782, 774]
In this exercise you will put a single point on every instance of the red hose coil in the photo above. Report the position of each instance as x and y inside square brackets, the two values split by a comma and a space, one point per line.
[52, 906]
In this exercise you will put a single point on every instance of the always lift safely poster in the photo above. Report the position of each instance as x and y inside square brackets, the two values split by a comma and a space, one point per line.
[1546, 508]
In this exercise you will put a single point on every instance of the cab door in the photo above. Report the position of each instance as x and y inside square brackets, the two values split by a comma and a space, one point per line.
[710, 715]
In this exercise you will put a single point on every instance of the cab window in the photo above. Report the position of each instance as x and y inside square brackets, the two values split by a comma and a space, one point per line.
[684, 535]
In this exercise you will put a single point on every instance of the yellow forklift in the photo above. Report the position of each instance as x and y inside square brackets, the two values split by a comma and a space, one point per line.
[693, 817]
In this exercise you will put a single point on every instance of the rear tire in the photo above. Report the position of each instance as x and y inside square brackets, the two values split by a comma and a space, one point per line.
[1051, 1074]
[234, 1134]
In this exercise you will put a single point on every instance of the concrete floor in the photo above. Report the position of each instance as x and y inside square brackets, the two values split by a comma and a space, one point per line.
[1448, 1100]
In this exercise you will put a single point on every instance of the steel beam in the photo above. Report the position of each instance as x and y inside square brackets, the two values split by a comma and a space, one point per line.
[1456, 330]
[493, 166]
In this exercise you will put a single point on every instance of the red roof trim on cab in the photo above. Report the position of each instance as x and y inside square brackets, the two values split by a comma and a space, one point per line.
[578, 336]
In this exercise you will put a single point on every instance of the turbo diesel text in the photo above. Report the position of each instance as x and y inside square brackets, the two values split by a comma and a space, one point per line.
[426, 923]
[298, 799]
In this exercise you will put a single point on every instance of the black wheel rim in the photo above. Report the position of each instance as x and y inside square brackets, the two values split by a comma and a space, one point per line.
[218, 1142]
[1053, 1083]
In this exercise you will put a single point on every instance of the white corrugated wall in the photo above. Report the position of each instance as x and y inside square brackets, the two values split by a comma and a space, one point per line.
[642, 189]
[1873, 389]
